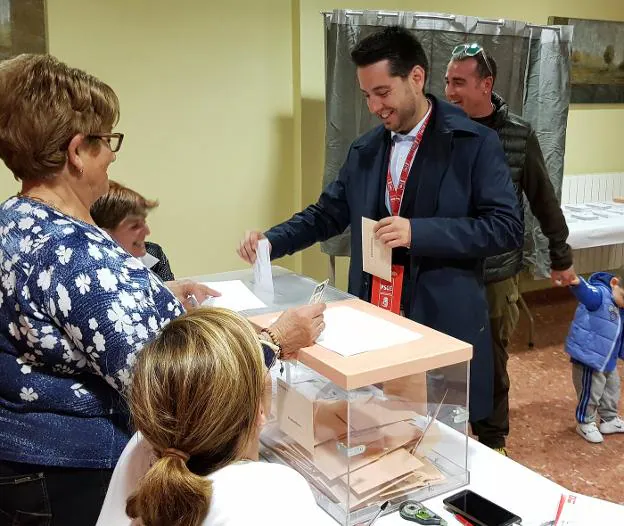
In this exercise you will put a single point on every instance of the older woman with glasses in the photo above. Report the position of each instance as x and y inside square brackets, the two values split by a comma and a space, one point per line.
[75, 308]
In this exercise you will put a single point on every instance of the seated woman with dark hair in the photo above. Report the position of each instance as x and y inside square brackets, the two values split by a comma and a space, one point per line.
[198, 401]
[122, 212]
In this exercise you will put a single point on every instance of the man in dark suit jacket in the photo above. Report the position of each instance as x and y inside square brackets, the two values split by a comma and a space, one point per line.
[458, 205]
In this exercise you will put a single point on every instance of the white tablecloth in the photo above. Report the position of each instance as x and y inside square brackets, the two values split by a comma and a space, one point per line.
[594, 224]
[526, 493]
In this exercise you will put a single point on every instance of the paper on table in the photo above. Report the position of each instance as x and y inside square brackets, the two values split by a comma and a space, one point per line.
[234, 296]
[263, 276]
[376, 257]
[349, 331]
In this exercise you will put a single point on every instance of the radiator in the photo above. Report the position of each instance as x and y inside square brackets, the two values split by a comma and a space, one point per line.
[585, 189]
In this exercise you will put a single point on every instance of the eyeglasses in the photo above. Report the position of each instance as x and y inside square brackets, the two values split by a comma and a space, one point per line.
[472, 50]
[112, 140]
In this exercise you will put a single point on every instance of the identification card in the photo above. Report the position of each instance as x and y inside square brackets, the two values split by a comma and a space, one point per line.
[319, 292]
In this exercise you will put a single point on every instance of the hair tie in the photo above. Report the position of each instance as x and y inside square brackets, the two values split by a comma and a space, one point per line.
[173, 452]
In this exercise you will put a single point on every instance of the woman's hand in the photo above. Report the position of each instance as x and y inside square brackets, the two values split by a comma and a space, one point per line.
[191, 293]
[297, 328]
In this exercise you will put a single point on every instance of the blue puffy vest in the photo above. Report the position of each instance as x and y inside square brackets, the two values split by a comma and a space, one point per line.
[594, 337]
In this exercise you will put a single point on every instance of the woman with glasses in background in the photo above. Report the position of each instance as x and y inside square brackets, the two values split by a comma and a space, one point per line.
[75, 308]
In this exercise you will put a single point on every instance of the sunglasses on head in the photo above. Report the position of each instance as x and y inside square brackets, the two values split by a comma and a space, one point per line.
[472, 50]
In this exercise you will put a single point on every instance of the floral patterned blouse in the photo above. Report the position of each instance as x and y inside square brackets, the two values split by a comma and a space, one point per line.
[75, 309]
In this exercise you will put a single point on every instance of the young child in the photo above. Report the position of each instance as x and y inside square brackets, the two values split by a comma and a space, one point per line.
[594, 344]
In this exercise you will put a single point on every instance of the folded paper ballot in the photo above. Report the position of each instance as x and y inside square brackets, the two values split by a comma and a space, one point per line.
[376, 257]
[382, 485]
[307, 420]
[374, 413]
[331, 461]
[311, 420]
[388, 467]
[263, 276]
[359, 454]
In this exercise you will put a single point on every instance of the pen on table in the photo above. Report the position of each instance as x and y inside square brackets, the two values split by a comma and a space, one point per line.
[381, 509]
[463, 520]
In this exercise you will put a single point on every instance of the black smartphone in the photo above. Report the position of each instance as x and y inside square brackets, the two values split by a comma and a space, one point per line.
[480, 511]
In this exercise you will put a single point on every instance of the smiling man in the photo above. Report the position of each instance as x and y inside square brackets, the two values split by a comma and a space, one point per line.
[470, 78]
[438, 186]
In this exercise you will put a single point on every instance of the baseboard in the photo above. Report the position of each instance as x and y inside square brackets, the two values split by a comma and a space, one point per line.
[549, 296]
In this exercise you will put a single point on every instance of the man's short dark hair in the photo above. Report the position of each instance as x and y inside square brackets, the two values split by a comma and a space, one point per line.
[482, 67]
[395, 44]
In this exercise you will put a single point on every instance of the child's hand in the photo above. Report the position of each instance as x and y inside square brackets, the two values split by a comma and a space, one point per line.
[575, 280]
[563, 278]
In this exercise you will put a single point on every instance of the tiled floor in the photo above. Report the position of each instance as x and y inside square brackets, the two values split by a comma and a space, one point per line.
[542, 405]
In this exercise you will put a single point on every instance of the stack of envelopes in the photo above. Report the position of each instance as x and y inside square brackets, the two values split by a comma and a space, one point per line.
[362, 453]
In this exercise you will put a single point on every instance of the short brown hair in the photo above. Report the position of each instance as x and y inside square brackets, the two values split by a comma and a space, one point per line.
[44, 104]
[117, 204]
[197, 388]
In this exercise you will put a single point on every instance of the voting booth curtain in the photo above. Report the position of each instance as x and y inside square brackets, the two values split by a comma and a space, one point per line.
[533, 77]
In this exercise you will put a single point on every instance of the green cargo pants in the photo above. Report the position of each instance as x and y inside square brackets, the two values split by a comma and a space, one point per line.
[504, 314]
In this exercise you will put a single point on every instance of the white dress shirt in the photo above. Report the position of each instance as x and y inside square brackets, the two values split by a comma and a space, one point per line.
[401, 145]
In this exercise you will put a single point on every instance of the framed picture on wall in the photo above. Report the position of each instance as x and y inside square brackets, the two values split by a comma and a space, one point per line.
[22, 27]
[597, 65]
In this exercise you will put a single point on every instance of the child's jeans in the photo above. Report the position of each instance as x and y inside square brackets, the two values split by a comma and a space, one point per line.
[597, 393]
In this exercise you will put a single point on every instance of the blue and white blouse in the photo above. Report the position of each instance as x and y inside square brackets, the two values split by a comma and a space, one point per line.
[75, 309]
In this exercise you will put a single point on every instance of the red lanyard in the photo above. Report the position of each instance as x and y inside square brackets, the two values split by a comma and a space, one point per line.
[396, 195]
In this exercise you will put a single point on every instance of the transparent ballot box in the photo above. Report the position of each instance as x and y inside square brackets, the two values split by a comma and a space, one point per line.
[376, 411]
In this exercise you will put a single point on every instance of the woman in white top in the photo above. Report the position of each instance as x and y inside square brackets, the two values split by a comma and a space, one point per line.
[197, 401]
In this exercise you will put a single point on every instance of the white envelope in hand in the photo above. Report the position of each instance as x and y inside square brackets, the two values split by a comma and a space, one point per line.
[376, 257]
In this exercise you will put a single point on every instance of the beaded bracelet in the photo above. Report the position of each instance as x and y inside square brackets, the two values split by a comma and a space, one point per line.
[271, 334]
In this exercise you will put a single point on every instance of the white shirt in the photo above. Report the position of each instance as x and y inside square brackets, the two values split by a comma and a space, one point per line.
[148, 260]
[401, 145]
[243, 493]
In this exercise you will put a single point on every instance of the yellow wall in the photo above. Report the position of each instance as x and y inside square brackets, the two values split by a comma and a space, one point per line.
[206, 91]
[223, 108]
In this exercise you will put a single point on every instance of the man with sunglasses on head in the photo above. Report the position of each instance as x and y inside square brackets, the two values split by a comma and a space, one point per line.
[470, 78]
[437, 186]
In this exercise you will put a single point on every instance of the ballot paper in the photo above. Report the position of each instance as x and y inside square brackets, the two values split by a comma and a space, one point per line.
[389, 467]
[234, 296]
[263, 277]
[349, 331]
[376, 257]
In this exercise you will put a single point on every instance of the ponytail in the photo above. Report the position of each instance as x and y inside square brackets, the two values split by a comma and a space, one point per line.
[195, 397]
[170, 495]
